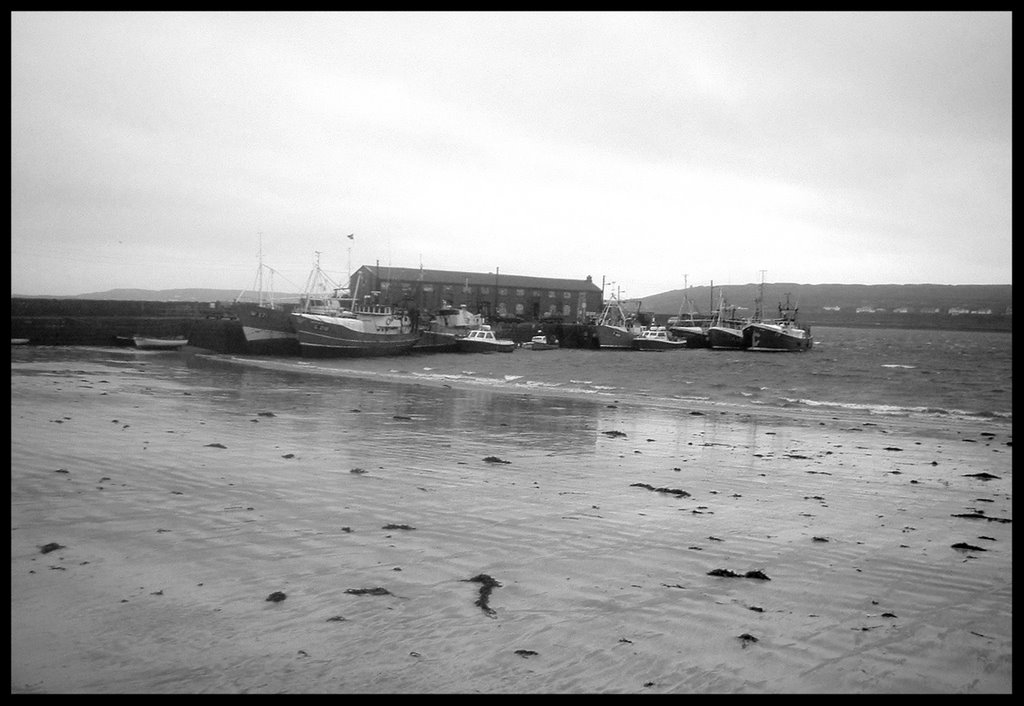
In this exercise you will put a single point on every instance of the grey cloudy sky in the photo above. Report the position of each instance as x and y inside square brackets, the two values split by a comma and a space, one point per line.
[151, 149]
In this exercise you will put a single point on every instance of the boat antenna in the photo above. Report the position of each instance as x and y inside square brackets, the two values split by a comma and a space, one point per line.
[685, 298]
[258, 280]
[351, 237]
[759, 305]
[259, 272]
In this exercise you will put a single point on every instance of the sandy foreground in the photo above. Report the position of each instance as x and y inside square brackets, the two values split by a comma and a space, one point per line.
[437, 540]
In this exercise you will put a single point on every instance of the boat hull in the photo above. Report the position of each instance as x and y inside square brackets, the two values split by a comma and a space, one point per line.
[159, 344]
[695, 337]
[468, 345]
[649, 344]
[720, 337]
[320, 337]
[766, 337]
[267, 330]
[614, 337]
[436, 342]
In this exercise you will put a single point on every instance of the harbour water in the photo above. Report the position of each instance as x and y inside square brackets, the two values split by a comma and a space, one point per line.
[923, 374]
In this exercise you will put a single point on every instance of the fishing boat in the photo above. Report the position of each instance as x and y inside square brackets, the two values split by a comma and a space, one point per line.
[445, 327]
[689, 325]
[540, 342]
[615, 329]
[483, 340]
[725, 331]
[162, 344]
[334, 323]
[780, 334]
[266, 324]
[19, 341]
[377, 331]
[657, 338]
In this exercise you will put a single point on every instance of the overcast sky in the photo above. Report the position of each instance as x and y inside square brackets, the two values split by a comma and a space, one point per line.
[157, 150]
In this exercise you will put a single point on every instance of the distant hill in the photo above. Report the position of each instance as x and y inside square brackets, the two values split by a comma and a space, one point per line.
[164, 295]
[814, 299]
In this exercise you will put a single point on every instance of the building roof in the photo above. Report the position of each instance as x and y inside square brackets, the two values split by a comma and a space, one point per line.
[412, 274]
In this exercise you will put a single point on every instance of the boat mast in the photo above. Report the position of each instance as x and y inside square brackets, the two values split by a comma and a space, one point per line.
[685, 299]
[259, 271]
[759, 303]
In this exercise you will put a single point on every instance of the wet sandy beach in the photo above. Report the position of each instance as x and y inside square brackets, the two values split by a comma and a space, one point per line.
[176, 534]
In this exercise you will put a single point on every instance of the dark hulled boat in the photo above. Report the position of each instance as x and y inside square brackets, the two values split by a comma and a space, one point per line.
[781, 334]
[355, 333]
[615, 329]
[266, 324]
[444, 329]
[725, 332]
[331, 323]
[690, 326]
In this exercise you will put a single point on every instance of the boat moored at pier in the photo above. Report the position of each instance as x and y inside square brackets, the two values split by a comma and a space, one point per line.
[483, 340]
[781, 334]
[159, 344]
[615, 329]
[657, 338]
[726, 331]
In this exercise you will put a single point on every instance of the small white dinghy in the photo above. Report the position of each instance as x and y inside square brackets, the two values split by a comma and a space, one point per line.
[164, 344]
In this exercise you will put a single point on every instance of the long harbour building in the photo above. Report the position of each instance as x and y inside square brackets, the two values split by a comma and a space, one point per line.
[494, 294]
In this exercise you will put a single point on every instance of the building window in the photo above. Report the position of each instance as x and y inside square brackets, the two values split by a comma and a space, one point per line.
[551, 295]
[485, 290]
[520, 292]
[519, 307]
[502, 291]
[566, 295]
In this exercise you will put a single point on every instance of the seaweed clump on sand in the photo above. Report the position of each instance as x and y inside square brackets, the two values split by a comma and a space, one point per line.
[487, 584]
[378, 591]
[670, 491]
[760, 575]
[964, 546]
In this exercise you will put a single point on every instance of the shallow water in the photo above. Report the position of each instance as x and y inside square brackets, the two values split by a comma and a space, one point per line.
[938, 375]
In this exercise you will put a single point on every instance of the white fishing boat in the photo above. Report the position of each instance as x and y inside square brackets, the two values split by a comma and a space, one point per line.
[540, 342]
[657, 338]
[483, 340]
